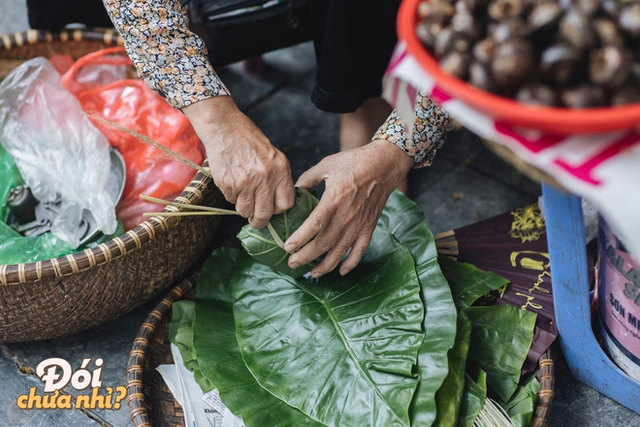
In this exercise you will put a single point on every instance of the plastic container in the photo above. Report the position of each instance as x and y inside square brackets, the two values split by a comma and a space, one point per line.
[619, 301]
[551, 120]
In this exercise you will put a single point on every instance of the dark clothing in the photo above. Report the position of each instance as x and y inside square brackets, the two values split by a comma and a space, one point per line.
[54, 15]
[354, 40]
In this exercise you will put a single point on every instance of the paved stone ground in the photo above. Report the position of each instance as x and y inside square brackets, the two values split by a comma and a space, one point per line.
[279, 103]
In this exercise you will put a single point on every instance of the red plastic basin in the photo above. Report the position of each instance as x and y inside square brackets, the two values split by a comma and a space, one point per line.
[553, 120]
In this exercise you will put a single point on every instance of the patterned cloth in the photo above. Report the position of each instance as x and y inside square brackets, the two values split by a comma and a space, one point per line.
[169, 57]
[430, 128]
[173, 61]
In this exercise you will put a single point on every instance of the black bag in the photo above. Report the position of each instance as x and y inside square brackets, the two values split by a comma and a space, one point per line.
[234, 30]
[55, 15]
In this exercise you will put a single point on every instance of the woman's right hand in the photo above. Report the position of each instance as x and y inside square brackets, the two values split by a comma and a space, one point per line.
[251, 173]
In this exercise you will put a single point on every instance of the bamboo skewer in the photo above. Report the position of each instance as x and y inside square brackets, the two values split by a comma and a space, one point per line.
[196, 213]
[149, 141]
[197, 209]
[202, 210]
[447, 248]
[205, 209]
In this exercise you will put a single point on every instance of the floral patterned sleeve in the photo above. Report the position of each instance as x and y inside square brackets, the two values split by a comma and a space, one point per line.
[169, 57]
[430, 127]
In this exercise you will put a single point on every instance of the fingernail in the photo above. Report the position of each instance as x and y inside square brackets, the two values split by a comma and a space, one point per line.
[316, 275]
[344, 271]
[289, 247]
[294, 265]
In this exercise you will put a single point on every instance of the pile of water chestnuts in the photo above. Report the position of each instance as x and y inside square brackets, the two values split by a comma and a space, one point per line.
[565, 53]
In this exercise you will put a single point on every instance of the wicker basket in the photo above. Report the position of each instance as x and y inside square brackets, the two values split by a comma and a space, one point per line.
[151, 403]
[65, 295]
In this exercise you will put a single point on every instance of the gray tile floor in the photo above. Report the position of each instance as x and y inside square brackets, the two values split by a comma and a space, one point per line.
[279, 104]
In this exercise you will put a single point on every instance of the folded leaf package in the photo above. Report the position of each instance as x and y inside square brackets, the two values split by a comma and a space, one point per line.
[267, 245]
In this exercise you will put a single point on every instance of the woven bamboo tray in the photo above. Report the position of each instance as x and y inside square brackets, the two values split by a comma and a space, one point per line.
[66, 295]
[151, 403]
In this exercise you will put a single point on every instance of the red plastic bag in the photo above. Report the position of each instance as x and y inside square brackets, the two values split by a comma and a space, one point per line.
[131, 103]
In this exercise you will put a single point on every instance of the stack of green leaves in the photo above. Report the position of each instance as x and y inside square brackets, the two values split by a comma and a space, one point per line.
[491, 346]
[381, 346]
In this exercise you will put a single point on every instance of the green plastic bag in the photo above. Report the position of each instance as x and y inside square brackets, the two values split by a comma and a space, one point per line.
[15, 248]
[9, 178]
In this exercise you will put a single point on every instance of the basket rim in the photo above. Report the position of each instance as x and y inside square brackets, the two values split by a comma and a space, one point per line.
[15, 274]
[146, 334]
[108, 36]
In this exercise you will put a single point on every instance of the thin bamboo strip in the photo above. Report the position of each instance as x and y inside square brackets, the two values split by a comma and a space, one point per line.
[446, 244]
[180, 214]
[443, 235]
[218, 211]
[448, 252]
[150, 141]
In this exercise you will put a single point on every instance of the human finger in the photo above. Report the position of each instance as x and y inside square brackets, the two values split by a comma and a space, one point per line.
[317, 221]
[358, 249]
[331, 242]
[334, 255]
[285, 195]
[311, 177]
[245, 204]
[263, 209]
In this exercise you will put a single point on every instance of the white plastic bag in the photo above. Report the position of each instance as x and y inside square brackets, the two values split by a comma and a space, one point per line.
[57, 149]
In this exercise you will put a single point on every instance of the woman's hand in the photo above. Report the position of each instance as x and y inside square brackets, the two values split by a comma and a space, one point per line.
[246, 167]
[358, 184]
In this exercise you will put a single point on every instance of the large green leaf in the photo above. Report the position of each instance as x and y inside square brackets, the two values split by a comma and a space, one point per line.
[468, 282]
[449, 397]
[342, 350]
[523, 402]
[181, 334]
[475, 393]
[405, 220]
[500, 340]
[219, 355]
[268, 249]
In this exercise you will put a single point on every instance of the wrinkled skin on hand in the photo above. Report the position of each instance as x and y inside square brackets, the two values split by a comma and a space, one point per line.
[249, 171]
[358, 183]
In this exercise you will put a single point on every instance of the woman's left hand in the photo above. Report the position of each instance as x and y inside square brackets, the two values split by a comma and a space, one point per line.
[358, 183]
